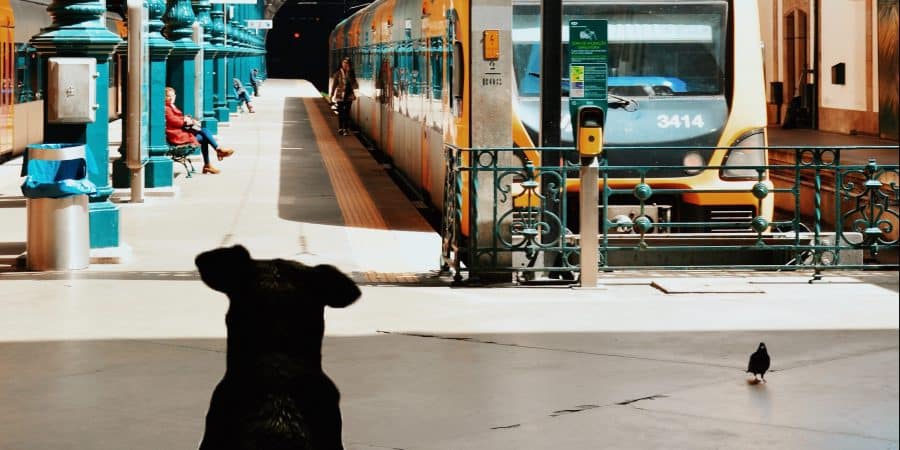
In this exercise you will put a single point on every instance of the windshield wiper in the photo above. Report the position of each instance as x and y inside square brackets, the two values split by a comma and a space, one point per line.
[563, 83]
[614, 101]
[617, 101]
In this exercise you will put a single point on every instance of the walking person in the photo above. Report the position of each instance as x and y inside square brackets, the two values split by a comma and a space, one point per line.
[343, 86]
[182, 129]
[255, 81]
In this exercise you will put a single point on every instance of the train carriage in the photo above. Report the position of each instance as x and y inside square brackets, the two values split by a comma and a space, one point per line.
[685, 83]
[22, 77]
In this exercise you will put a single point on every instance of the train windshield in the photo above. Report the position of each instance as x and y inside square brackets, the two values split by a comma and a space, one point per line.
[655, 49]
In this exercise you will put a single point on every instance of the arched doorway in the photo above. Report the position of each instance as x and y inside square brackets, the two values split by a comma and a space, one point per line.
[799, 84]
[796, 44]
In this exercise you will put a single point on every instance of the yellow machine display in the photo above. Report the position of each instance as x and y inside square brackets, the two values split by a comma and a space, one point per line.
[684, 76]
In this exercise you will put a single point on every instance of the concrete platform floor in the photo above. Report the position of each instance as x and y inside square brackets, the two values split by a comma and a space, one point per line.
[106, 364]
[125, 356]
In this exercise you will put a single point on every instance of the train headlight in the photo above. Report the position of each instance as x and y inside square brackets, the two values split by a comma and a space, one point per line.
[747, 152]
[693, 163]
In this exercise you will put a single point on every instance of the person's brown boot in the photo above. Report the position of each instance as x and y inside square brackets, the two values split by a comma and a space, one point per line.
[223, 153]
[210, 170]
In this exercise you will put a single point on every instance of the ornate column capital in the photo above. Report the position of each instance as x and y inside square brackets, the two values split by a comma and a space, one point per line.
[178, 19]
[77, 29]
[217, 17]
[160, 47]
[201, 9]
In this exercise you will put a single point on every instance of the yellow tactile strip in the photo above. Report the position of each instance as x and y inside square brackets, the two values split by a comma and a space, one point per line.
[353, 198]
[372, 278]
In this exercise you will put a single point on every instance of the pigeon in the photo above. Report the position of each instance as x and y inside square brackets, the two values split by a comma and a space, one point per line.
[759, 362]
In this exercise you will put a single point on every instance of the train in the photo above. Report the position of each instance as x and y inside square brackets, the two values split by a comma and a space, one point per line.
[684, 76]
[22, 79]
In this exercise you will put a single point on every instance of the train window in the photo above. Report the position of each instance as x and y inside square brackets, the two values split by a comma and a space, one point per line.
[426, 69]
[437, 67]
[414, 69]
[654, 49]
[361, 71]
[397, 76]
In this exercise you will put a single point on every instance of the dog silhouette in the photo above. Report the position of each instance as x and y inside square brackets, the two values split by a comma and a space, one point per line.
[274, 395]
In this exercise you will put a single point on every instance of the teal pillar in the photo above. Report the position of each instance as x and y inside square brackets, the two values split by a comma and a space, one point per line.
[210, 51]
[230, 31]
[78, 30]
[121, 175]
[158, 170]
[241, 59]
[220, 103]
[180, 69]
[244, 73]
[261, 53]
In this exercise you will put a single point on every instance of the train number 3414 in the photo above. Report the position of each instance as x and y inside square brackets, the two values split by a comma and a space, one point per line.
[679, 121]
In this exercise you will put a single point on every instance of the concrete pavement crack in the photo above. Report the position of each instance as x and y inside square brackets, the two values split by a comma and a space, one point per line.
[183, 346]
[649, 397]
[796, 365]
[535, 347]
[370, 445]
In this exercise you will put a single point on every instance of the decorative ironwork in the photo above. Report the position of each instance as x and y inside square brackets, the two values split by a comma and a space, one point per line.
[839, 210]
[875, 204]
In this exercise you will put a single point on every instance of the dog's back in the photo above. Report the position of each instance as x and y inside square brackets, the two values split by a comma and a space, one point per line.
[249, 414]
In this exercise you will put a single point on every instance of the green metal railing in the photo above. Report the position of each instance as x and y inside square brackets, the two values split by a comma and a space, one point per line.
[833, 214]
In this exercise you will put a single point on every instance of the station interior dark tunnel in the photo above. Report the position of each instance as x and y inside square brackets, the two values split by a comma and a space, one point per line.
[297, 44]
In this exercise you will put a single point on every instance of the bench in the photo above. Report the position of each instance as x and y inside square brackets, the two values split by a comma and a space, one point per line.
[181, 154]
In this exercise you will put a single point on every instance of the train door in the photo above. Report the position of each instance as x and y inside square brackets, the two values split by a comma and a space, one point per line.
[385, 99]
[7, 79]
[456, 70]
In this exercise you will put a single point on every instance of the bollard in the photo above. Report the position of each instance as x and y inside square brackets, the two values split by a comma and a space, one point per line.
[589, 132]
[589, 222]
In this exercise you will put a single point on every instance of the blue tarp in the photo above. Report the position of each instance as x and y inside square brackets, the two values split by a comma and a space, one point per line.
[55, 178]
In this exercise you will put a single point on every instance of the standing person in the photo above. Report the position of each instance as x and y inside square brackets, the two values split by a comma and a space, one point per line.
[243, 97]
[343, 84]
[182, 129]
[254, 81]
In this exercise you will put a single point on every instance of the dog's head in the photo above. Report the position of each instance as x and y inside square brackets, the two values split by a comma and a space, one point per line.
[274, 303]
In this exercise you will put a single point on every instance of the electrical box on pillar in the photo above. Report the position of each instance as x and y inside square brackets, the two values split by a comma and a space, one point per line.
[71, 88]
[590, 131]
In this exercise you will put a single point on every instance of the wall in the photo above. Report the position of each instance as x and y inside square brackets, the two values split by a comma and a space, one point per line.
[848, 108]
[29, 125]
[849, 35]
[846, 43]
[31, 16]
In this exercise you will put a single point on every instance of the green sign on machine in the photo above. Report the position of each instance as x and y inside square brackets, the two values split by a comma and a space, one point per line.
[588, 64]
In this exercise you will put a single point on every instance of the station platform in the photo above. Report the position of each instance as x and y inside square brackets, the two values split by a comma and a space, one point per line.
[294, 188]
[126, 353]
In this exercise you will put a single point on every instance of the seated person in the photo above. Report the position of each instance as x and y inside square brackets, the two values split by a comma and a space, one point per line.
[182, 129]
[242, 96]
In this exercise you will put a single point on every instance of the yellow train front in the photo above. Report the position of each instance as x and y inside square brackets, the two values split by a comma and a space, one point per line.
[685, 84]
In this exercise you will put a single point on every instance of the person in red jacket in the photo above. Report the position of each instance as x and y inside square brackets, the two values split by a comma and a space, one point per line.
[182, 129]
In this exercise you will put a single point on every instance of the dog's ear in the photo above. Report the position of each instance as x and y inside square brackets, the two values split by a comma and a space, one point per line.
[332, 286]
[223, 269]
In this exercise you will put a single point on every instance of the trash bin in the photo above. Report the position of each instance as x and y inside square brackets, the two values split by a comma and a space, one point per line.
[56, 192]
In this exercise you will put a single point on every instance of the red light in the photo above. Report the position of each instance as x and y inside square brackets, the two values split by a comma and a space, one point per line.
[296, 35]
